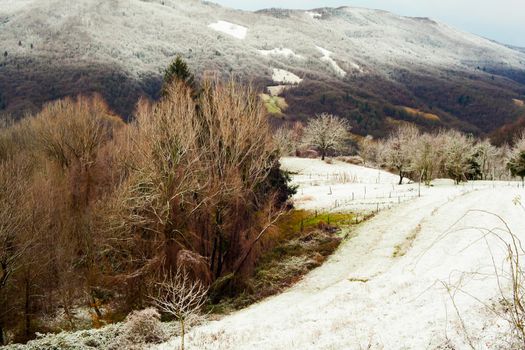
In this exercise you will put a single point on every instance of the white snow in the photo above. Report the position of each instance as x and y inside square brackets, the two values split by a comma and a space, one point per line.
[283, 52]
[327, 57]
[342, 186]
[119, 32]
[285, 77]
[313, 15]
[235, 30]
[364, 297]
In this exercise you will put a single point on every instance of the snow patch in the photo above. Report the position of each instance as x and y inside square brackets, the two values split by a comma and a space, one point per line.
[280, 52]
[314, 15]
[285, 77]
[356, 66]
[235, 30]
[327, 57]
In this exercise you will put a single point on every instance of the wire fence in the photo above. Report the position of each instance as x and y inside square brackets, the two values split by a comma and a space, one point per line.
[369, 198]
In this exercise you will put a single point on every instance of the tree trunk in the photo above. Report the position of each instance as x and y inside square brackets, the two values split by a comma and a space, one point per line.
[95, 305]
[401, 177]
[27, 304]
[213, 254]
[2, 340]
[220, 259]
[323, 155]
[182, 334]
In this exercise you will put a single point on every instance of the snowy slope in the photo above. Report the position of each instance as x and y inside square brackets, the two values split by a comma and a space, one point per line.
[124, 31]
[61, 47]
[364, 298]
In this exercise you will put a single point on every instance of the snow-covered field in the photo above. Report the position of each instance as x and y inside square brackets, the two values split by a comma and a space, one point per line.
[385, 287]
[285, 77]
[232, 29]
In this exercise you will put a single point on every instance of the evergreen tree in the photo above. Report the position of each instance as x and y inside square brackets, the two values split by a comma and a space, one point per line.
[178, 70]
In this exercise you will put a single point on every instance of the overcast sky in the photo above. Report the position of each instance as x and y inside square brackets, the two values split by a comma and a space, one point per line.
[502, 20]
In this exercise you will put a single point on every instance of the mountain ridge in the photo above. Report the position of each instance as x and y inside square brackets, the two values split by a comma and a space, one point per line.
[356, 62]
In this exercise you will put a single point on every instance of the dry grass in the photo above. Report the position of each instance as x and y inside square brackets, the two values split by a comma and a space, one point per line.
[519, 103]
[275, 105]
[303, 242]
[419, 114]
[510, 277]
[402, 248]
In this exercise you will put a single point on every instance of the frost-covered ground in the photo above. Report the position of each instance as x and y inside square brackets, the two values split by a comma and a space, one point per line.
[385, 287]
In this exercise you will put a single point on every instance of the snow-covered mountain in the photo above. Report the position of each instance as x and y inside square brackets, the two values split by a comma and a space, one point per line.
[366, 65]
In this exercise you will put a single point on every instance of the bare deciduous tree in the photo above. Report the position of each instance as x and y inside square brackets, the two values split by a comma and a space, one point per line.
[285, 141]
[181, 298]
[399, 148]
[326, 132]
[486, 156]
[426, 157]
[368, 149]
[11, 223]
[458, 151]
[193, 181]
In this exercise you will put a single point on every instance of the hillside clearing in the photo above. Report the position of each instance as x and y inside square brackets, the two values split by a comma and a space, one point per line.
[231, 29]
[420, 114]
[519, 103]
[285, 77]
[274, 105]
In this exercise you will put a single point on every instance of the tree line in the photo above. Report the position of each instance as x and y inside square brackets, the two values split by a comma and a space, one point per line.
[95, 212]
[418, 156]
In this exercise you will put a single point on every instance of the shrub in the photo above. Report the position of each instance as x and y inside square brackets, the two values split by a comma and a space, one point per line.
[140, 327]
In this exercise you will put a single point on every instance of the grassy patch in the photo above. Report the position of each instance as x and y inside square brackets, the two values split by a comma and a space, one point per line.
[419, 114]
[302, 241]
[518, 103]
[274, 104]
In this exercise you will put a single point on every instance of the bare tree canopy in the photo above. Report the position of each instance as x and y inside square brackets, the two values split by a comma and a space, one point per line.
[398, 150]
[181, 298]
[326, 132]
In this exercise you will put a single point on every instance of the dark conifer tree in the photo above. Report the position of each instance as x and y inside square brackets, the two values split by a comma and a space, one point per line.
[178, 70]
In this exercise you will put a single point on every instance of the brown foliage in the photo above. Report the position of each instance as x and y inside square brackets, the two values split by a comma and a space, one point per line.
[94, 211]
